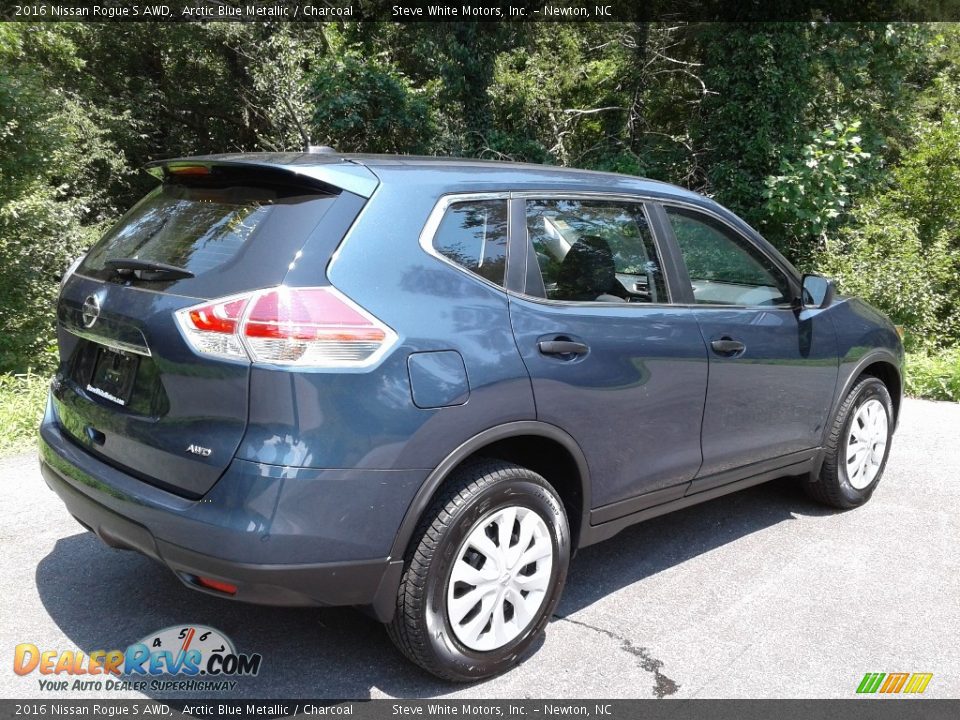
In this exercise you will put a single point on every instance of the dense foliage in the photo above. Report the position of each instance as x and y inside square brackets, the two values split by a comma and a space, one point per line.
[840, 142]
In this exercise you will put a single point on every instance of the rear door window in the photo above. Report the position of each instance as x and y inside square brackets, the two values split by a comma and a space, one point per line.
[593, 251]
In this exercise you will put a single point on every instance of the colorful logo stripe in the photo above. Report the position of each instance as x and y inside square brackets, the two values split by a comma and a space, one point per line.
[918, 682]
[894, 683]
[871, 682]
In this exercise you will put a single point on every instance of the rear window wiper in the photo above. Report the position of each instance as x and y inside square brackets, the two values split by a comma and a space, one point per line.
[147, 269]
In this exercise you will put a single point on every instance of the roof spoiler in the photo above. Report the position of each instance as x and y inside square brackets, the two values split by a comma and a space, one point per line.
[326, 177]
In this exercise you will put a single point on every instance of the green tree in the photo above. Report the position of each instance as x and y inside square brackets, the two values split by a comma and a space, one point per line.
[363, 104]
[810, 194]
[772, 87]
[882, 258]
[839, 141]
[54, 156]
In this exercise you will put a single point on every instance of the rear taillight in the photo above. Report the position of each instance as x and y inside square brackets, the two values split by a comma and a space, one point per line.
[212, 328]
[310, 326]
[315, 327]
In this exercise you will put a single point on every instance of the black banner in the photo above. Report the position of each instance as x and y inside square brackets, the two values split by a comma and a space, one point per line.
[481, 10]
[872, 709]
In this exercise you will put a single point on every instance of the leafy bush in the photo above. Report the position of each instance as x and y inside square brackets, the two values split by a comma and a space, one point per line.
[901, 249]
[22, 399]
[367, 105]
[51, 153]
[812, 191]
[934, 376]
[881, 258]
[777, 90]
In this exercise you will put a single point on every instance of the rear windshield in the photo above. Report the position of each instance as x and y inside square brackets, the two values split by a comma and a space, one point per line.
[199, 229]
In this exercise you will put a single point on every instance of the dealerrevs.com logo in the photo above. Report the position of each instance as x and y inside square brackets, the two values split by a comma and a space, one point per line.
[201, 658]
[894, 683]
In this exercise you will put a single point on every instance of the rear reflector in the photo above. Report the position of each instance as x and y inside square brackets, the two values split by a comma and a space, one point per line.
[217, 585]
[312, 327]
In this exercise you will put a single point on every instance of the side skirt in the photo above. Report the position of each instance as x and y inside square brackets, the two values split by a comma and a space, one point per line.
[607, 521]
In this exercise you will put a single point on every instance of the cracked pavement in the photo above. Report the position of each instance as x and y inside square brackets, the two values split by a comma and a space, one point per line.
[757, 594]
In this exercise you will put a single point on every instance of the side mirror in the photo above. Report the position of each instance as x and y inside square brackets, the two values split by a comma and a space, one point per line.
[817, 290]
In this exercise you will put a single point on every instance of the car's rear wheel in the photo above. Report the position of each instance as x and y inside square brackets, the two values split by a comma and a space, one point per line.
[485, 573]
[857, 447]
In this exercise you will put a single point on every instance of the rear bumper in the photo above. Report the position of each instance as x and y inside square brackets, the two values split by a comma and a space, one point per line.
[249, 531]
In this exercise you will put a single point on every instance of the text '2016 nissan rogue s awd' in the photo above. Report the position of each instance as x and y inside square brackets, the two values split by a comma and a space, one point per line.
[418, 385]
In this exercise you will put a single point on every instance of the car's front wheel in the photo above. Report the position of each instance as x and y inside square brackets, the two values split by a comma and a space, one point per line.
[485, 574]
[857, 447]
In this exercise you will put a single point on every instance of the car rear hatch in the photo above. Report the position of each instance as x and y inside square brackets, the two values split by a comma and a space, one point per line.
[130, 388]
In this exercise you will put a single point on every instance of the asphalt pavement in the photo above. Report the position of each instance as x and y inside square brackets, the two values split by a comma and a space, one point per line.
[758, 594]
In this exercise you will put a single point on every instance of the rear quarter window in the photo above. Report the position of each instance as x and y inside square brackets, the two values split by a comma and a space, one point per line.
[473, 235]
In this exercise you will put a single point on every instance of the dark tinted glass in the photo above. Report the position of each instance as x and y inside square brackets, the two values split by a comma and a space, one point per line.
[724, 268]
[474, 235]
[594, 250]
[199, 229]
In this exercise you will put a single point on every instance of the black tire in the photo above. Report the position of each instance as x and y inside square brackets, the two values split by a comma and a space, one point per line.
[832, 486]
[421, 627]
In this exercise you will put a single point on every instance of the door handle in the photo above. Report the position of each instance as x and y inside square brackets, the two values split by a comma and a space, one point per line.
[562, 347]
[727, 346]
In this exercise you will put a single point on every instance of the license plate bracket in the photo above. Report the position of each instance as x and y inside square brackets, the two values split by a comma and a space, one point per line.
[114, 373]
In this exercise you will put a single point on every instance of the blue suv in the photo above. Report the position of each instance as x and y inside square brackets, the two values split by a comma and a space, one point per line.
[418, 385]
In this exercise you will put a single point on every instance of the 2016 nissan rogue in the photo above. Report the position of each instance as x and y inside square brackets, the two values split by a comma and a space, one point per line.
[418, 385]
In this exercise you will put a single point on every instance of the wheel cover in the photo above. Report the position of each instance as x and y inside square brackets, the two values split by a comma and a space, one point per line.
[866, 443]
[500, 578]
